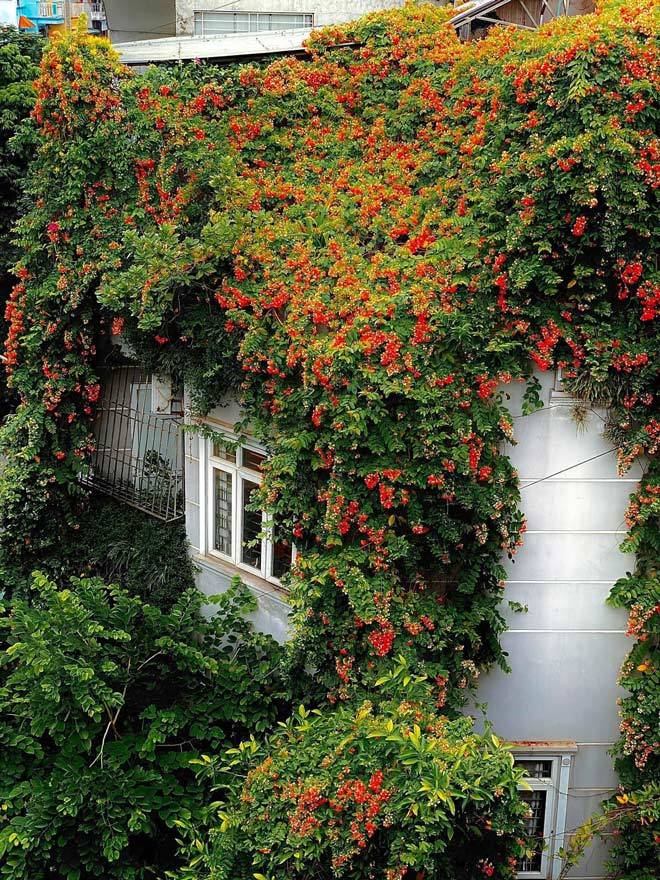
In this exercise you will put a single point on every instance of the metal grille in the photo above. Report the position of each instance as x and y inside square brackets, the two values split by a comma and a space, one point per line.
[537, 804]
[139, 452]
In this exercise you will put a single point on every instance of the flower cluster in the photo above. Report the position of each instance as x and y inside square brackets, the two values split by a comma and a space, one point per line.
[360, 790]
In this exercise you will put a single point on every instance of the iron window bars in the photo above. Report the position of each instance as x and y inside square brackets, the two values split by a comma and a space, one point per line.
[139, 451]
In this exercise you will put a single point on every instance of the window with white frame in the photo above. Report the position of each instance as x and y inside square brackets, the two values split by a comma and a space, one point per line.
[237, 532]
[209, 24]
[545, 792]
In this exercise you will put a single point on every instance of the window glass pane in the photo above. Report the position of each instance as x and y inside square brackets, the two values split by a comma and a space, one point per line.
[210, 23]
[241, 21]
[222, 530]
[535, 825]
[252, 460]
[536, 769]
[252, 528]
[227, 453]
[280, 21]
[282, 554]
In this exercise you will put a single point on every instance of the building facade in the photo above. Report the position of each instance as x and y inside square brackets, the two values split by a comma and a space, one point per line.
[153, 19]
[204, 18]
[50, 16]
[162, 18]
[8, 13]
[558, 703]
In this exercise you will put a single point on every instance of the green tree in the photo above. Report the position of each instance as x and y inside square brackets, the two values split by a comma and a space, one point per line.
[104, 701]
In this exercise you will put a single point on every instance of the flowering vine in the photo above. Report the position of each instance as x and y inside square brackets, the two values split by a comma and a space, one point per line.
[381, 237]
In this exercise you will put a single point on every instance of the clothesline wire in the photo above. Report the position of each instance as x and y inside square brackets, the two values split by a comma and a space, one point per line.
[570, 467]
[556, 406]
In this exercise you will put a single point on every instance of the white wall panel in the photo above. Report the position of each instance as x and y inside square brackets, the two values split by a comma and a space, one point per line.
[562, 606]
[594, 769]
[222, 417]
[8, 13]
[192, 525]
[577, 505]
[562, 686]
[569, 556]
[192, 479]
[549, 442]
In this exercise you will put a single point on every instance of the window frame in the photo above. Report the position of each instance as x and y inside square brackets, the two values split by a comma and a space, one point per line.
[239, 475]
[252, 16]
[547, 784]
[556, 786]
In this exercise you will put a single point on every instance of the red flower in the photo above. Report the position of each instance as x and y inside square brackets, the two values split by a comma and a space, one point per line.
[117, 326]
[579, 226]
[386, 496]
[383, 639]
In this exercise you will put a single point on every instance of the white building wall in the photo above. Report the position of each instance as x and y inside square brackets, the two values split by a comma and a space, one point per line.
[8, 13]
[326, 12]
[566, 651]
[151, 19]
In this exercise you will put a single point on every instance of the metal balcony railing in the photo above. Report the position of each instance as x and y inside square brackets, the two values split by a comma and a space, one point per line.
[55, 9]
[139, 452]
[51, 9]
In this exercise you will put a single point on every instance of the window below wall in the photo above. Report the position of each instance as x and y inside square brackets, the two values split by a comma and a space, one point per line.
[237, 532]
[546, 792]
[209, 24]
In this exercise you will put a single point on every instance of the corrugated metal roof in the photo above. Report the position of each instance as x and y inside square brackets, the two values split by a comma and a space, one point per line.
[222, 47]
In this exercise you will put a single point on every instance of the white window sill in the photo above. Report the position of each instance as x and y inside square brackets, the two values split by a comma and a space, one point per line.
[251, 580]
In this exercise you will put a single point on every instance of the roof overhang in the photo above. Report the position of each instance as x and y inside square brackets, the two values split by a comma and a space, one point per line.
[223, 48]
[469, 11]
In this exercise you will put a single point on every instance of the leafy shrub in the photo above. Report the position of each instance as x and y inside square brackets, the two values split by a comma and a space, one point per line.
[104, 701]
[122, 545]
[636, 819]
[631, 822]
[386, 790]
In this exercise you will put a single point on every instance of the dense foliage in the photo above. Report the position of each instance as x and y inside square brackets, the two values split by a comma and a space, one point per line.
[121, 545]
[381, 236]
[19, 60]
[104, 702]
[363, 792]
